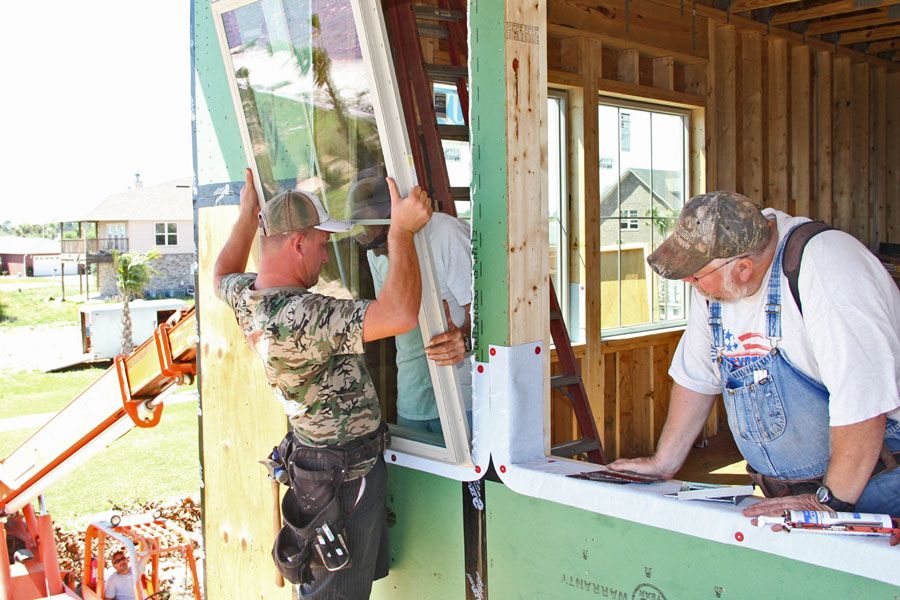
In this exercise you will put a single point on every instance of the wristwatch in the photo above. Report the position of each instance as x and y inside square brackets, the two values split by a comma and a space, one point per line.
[467, 343]
[824, 496]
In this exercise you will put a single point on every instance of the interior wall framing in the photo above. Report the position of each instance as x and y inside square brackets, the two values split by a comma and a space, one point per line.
[799, 125]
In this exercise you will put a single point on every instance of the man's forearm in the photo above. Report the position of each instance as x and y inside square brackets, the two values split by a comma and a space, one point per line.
[854, 452]
[403, 286]
[687, 415]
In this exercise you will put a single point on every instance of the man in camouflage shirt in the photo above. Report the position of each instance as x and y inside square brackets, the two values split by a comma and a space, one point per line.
[312, 345]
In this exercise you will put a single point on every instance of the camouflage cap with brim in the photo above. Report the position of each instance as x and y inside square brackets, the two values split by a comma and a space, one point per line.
[715, 225]
[294, 210]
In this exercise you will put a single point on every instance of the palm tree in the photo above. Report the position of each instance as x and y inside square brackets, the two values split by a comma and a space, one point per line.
[133, 273]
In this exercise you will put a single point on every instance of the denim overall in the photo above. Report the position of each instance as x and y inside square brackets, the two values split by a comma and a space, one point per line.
[779, 416]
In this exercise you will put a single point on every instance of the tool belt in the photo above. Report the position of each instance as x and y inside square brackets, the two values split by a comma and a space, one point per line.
[773, 487]
[313, 517]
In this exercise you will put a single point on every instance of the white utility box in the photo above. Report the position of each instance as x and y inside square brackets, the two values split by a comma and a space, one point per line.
[101, 324]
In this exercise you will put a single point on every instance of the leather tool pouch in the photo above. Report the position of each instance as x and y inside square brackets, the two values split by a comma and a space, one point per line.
[313, 517]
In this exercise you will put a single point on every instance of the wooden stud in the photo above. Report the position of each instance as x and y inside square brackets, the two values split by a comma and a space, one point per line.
[589, 198]
[841, 167]
[860, 152]
[726, 107]
[879, 150]
[526, 123]
[752, 116]
[610, 366]
[664, 73]
[702, 151]
[891, 232]
[823, 135]
[661, 389]
[628, 66]
[642, 402]
[777, 187]
[801, 130]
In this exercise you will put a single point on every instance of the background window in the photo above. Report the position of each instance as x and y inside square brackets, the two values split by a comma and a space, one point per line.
[643, 182]
[166, 234]
[570, 294]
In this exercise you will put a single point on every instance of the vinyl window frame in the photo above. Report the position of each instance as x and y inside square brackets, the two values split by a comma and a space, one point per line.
[397, 152]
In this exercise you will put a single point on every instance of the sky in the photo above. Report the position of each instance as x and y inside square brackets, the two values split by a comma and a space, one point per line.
[90, 94]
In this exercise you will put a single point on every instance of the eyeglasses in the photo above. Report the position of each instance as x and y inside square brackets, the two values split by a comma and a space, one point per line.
[695, 279]
[120, 561]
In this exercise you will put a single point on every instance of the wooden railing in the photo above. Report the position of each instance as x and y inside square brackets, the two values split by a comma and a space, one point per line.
[94, 246]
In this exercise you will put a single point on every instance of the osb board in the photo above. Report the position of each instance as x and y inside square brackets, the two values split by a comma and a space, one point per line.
[240, 424]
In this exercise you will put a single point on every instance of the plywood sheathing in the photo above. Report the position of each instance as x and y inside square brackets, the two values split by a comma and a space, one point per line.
[240, 423]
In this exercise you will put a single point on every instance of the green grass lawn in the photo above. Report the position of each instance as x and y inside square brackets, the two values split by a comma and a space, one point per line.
[36, 306]
[31, 392]
[144, 464]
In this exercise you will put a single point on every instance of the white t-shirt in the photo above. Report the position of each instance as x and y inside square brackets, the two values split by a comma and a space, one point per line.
[848, 337]
[451, 249]
[119, 587]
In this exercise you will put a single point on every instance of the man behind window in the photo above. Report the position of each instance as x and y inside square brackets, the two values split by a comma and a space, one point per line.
[312, 349]
[812, 396]
[449, 239]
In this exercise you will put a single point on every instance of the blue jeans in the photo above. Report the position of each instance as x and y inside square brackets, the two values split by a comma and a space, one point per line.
[432, 425]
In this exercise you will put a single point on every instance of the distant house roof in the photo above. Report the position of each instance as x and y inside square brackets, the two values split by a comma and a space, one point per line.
[667, 186]
[11, 244]
[172, 201]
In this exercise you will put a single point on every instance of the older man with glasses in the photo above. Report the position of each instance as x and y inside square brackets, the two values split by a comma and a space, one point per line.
[812, 391]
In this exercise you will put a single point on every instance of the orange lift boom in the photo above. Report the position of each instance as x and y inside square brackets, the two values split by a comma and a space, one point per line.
[127, 395]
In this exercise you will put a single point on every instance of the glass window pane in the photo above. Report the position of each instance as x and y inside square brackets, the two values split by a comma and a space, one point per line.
[171, 227]
[160, 240]
[639, 207]
[608, 127]
[160, 228]
[305, 96]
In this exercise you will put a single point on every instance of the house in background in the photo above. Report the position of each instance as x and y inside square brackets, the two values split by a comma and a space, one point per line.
[31, 256]
[636, 213]
[136, 221]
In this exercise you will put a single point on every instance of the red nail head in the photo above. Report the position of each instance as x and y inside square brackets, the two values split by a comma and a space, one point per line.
[493, 352]
[481, 368]
[537, 349]
[477, 469]
[503, 468]
[739, 536]
[393, 458]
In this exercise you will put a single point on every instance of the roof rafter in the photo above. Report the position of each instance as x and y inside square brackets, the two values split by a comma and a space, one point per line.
[885, 46]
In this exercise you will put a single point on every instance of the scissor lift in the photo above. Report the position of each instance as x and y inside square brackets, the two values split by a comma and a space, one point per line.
[128, 395]
[144, 540]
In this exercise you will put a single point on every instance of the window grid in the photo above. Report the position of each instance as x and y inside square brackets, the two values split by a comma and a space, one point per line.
[166, 234]
[666, 300]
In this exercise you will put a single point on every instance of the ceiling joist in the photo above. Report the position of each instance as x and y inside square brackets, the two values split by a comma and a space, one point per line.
[885, 46]
[850, 23]
[737, 6]
[831, 9]
[870, 35]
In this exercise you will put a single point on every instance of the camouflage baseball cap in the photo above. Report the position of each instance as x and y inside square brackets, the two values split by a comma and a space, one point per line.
[714, 225]
[294, 210]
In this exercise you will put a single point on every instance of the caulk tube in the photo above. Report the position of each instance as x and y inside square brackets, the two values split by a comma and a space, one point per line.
[829, 519]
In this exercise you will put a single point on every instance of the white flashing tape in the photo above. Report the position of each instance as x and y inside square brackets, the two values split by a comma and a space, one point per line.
[516, 392]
